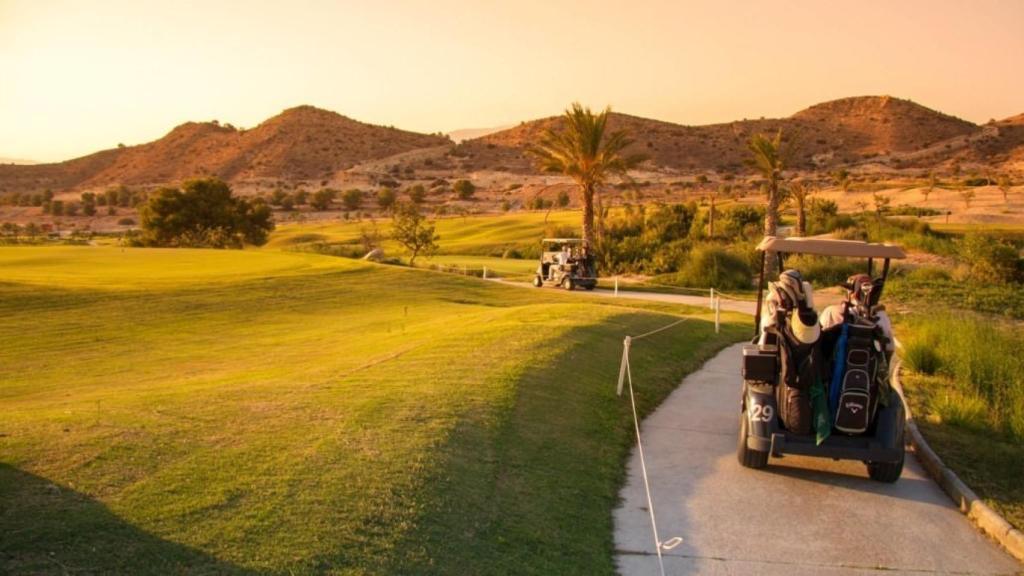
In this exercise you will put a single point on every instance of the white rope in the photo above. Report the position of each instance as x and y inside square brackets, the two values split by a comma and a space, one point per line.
[626, 373]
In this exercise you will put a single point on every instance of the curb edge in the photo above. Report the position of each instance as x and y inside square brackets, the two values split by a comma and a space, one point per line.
[981, 515]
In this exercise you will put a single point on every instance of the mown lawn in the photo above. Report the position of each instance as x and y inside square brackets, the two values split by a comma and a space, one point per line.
[170, 411]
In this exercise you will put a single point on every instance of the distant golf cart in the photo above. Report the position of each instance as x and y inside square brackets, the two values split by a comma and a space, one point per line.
[878, 442]
[565, 263]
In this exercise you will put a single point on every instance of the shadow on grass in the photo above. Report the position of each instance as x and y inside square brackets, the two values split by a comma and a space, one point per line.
[531, 488]
[51, 529]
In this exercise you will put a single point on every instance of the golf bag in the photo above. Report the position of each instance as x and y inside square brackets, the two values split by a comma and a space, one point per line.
[855, 392]
[798, 365]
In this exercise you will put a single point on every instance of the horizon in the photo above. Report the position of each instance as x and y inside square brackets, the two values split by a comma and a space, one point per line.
[244, 66]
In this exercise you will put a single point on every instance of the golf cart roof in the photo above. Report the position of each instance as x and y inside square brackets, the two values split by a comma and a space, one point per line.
[562, 241]
[829, 247]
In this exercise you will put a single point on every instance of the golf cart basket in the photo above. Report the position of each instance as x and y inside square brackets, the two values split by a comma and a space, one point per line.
[880, 444]
[565, 262]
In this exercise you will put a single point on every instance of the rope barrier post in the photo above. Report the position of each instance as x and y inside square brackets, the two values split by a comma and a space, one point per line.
[718, 312]
[622, 366]
[711, 301]
[485, 272]
[616, 286]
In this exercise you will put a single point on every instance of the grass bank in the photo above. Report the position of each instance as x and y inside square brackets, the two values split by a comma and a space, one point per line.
[169, 411]
[965, 383]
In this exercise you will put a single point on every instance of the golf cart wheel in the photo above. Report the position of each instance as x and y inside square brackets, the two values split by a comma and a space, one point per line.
[748, 458]
[567, 283]
[537, 281]
[887, 472]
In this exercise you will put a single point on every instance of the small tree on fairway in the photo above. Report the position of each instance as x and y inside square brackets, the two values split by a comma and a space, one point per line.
[966, 194]
[412, 230]
[932, 183]
[582, 151]
[881, 203]
[1004, 187]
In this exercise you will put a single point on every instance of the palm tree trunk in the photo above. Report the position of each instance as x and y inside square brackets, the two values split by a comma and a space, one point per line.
[801, 218]
[771, 215]
[588, 216]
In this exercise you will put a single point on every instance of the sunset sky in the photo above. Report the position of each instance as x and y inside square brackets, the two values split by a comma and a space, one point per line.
[77, 77]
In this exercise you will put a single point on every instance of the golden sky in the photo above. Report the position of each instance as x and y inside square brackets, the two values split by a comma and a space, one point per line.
[79, 76]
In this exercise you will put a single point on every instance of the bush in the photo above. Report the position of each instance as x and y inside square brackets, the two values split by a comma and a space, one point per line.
[464, 189]
[823, 271]
[710, 266]
[352, 199]
[323, 198]
[563, 199]
[990, 259]
[386, 198]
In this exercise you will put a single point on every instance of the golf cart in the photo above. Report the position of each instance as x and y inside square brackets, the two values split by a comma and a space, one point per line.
[565, 262]
[855, 368]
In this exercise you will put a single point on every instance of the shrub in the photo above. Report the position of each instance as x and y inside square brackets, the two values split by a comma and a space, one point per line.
[323, 198]
[990, 259]
[824, 271]
[417, 194]
[352, 199]
[464, 189]
[713, 266]
[563, 199]
[386, 198]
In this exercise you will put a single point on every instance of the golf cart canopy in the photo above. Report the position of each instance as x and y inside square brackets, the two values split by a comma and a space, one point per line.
[827, 247]
[562, 241]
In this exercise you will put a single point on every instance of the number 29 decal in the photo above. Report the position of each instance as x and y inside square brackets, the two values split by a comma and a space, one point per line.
[761, 413]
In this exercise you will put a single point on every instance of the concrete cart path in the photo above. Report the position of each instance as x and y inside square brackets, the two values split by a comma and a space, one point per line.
[743, 306]
[799, 516]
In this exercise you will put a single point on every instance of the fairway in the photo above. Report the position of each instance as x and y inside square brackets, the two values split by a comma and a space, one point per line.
[168, 411]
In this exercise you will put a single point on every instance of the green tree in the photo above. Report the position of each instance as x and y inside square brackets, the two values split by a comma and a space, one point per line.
[417, 194]
[203, 213]
[352, 199]
[881, 203]
[769, 157]
[277, 196]
[584, 151]
[563, 198]
[799, 192]
[464, 189]
[300, 197]
[323, 198]
[386, 198]
[412, 230]
[88, 203]
[57, 207]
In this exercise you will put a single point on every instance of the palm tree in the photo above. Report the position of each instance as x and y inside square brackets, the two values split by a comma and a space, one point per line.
[584, 152]
[800, 193]
[769, 158]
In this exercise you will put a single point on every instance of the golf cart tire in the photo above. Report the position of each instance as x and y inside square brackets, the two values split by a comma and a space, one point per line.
[567, 283]
[748, 458]
[887, 472]
[537, 281]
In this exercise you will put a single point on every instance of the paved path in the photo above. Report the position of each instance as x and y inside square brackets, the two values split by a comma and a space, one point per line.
[799, 516]
[744, 306]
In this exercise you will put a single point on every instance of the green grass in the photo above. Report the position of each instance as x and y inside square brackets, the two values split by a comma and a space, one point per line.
[966, 386]
[482, 235]
[171, 411]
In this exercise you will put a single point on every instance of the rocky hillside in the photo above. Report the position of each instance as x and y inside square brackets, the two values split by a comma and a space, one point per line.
[303, 143]
[842, 132]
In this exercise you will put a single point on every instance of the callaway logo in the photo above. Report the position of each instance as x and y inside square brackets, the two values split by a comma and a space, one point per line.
[854, 407]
